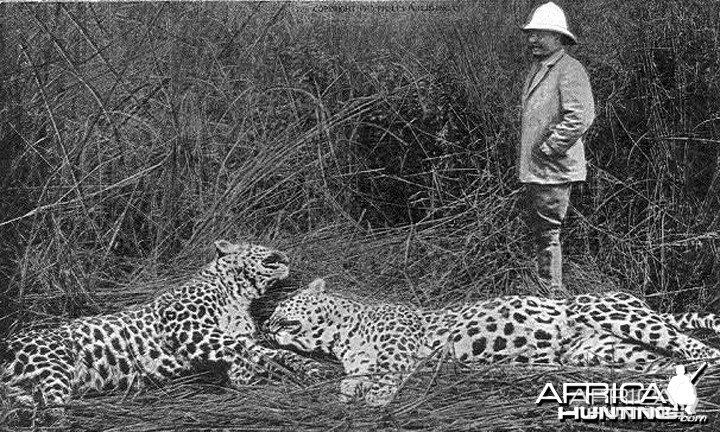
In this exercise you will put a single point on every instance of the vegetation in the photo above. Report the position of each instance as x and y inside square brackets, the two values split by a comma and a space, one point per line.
[373, 142]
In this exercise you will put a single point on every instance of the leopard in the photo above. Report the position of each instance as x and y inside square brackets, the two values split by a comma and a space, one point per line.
[379, 345]
[203, 321]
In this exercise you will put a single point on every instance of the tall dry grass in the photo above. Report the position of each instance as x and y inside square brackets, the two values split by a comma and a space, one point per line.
[375, 146]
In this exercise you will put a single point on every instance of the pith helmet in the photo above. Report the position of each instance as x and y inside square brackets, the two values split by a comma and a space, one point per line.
[549, 17]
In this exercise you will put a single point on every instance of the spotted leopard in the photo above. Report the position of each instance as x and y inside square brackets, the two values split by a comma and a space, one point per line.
[203, 321]
[379, 345]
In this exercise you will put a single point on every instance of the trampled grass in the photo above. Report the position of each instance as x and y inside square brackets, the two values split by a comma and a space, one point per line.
[497, 398]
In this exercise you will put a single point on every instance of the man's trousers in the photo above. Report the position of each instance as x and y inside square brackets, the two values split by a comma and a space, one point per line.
[546, 207]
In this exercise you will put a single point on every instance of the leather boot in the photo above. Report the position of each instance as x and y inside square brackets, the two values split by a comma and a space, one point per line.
[549, 258]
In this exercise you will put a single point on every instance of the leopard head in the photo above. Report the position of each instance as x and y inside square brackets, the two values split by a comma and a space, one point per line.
[303, 321]
[248, 269]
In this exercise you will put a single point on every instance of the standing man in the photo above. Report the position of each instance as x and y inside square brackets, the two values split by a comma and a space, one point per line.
[557, 109]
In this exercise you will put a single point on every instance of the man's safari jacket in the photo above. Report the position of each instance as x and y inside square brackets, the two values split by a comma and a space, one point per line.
[557, 109]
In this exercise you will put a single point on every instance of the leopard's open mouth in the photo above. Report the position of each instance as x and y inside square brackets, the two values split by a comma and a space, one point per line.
[276, 259]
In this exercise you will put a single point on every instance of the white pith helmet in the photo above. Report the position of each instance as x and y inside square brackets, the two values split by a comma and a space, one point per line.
[549, 17]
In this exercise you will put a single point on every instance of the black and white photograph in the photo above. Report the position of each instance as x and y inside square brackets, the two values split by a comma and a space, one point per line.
[332, 215]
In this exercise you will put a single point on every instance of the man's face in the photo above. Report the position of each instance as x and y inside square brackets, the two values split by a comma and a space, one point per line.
[543, 43]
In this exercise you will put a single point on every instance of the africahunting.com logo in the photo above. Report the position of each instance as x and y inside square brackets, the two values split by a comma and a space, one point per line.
[630, 401]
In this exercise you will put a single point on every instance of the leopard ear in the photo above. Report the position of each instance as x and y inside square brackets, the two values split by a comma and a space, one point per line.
[224, 247]
[318, 285]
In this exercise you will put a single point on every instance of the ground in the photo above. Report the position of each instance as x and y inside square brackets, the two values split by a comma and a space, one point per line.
[497, 398]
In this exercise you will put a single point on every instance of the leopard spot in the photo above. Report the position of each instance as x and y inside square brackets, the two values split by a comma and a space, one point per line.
[18, 368]
[542, 335]
[140, 345]
[115, 342]
[478, 346]
[124, 366]
[110, 355]
[520, 318]
[88, 358]
[603, 308]
[509, 329]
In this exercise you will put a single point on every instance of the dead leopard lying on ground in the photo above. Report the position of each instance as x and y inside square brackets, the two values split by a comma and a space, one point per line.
[386, 341]
[204, 320]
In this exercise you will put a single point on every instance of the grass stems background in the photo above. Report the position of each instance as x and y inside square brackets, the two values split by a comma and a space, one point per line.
[374, 143]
